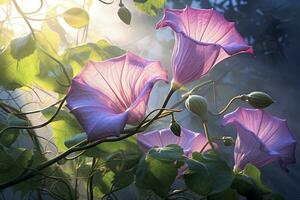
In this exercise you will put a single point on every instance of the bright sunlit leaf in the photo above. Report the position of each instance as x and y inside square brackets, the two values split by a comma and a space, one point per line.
[76, 17]
[151, 7]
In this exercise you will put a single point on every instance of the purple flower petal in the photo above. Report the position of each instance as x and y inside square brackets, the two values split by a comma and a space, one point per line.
[189, 140]
[203, 39]
[262, 138]
[107, 95]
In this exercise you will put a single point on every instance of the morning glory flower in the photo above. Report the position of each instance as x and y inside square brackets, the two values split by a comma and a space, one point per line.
[261, 138]
[189, 141]
[107, 95]
[203, 38]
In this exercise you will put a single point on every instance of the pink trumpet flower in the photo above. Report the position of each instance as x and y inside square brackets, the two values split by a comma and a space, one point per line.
[107, 95]
[203, 38]
[189, 140]
[261, 138]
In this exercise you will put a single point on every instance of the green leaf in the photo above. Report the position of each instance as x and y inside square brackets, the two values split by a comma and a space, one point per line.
[151, 7]
[48, 39]
[169, 153]
[51, 76]
[76, 17]
[274, 196]
[217, 177]
[123, 179]
[228, 194]
[77, 57]
[22, 47]
[102, 178]
[128, 146]
[64, 126]
[124, 14]
[9, 137]
[245, 186]
[197, 178]
[253, 172]
[155, 175]
[17, 73]
[13, 162]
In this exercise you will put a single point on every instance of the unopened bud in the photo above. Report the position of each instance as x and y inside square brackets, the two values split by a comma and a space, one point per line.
[198, 105]
[175, 128]
[227, 141]
[258, 99]
[124, 14]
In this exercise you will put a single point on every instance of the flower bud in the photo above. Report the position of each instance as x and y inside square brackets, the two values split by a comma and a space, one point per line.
[124, 14]
[227, 141]
[258, 99]
[198, 105]
[175, 128]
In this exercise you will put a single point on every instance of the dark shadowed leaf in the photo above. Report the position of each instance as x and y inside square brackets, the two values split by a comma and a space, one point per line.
[155, 175]
[22, 47]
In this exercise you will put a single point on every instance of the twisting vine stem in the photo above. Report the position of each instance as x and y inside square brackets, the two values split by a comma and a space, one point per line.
[83, 145]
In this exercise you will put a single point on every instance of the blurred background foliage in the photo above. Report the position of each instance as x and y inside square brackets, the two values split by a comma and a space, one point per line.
[36, 70]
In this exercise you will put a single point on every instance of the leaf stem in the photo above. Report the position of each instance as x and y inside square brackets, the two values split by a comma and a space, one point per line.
[228, 105]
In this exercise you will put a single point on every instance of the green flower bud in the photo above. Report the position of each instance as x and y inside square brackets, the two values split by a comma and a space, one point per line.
[198, 105]
[227, 141]
[175, 128]
[258, 99]
[124, 14]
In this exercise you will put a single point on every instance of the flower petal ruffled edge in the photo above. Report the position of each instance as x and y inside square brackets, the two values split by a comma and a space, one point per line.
[230, 49]
[289, 151]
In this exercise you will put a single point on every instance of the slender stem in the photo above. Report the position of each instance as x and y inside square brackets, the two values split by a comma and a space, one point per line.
[204, 147]
[40, 110]
[40, 125]
[228, 105]
[24, 17]
[82, 145]
[76, 182]
[91, 179]
[167, 98]
[192, 91]
[159, 109]
[78, 147]
[59, 63]
[205, 127]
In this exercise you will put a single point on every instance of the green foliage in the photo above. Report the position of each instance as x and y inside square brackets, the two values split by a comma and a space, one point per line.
[78, 56]
[228, 194]
[151, 7]
[157, 170]
[156, 175]
[64, 126]
[169, 153]
[17, 73]
[248, 183]
[76, 17]
[22, 47]
[246, 187]
[13, 162]
[208, 174]
[9, 137]
[253, 172]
